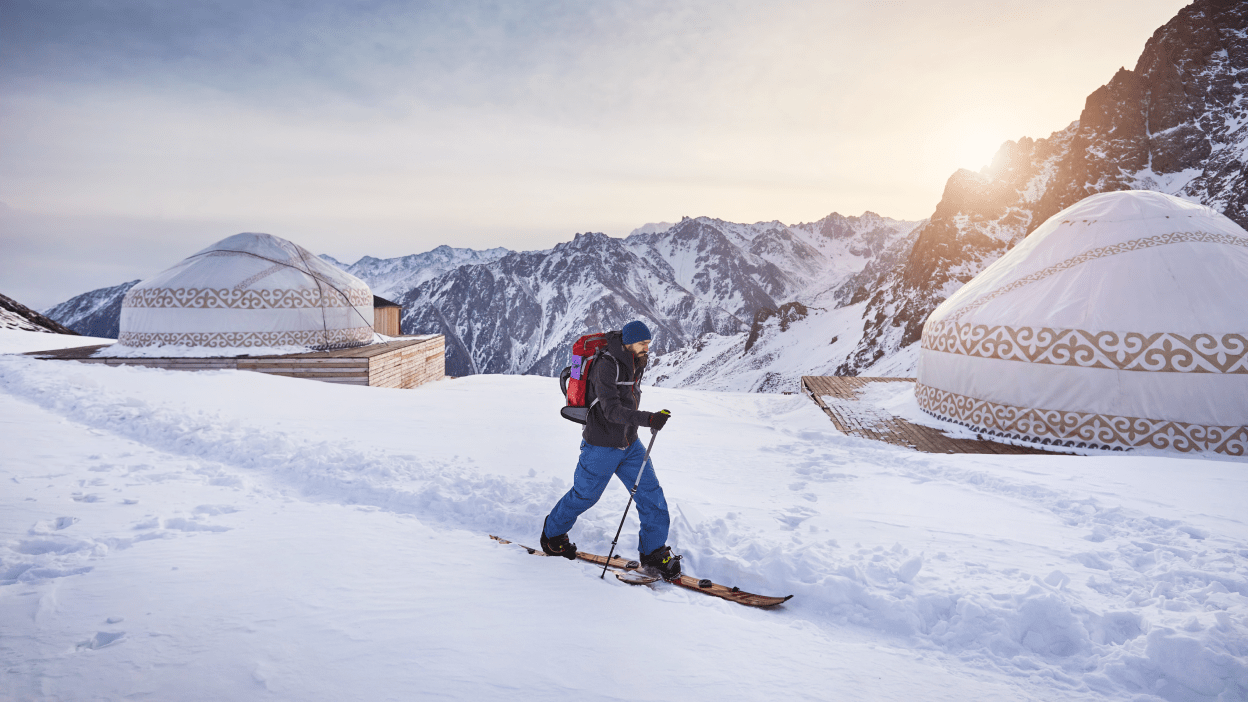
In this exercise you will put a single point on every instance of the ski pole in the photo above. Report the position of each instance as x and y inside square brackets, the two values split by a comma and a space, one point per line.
[654, 433]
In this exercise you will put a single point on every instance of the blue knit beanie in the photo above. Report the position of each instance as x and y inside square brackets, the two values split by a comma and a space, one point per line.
[635, 331]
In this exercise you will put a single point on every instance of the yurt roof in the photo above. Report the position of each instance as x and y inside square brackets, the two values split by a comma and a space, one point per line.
[273, 263]
[1132, 260]
[249, 290]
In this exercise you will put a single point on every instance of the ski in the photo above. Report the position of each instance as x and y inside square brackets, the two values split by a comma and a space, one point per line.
[630, 572]
[732, 594]
[617, 563]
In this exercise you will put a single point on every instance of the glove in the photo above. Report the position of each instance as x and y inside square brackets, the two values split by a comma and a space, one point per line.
[658, 419]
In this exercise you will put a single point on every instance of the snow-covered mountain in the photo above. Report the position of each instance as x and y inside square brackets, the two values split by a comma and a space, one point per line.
[15, 315]
[814, 326]
[521, 313]
[96, 313]
[392, 277]
[1177, 123]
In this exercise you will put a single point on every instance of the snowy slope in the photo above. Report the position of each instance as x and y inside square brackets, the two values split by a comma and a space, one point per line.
[772, 357]
[16, 316]
[230, 535]
[21, 341]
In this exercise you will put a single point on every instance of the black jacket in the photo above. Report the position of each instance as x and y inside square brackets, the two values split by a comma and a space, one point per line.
[613, 420]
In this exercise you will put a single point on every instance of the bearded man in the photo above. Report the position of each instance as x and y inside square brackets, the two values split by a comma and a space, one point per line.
[609, 446]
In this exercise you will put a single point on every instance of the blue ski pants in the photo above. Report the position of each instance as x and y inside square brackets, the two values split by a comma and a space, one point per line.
[593, 472]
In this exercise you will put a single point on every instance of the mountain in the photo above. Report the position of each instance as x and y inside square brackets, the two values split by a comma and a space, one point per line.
[814, 327]
[701, 280]
[392, 277]
[95, 313]
[521, 313]
[15, 315]
[701, 276]
[1177, 123]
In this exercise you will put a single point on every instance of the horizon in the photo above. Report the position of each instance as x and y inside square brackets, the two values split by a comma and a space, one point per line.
[137, 135]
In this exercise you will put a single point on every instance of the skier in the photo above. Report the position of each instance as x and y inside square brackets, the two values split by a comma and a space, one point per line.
[609, 446]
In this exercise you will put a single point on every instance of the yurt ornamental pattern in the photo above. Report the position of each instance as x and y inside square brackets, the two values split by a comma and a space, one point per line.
[1161, 352]
[249, 291]
[232, 298]
[335, 338]
[1080, 429]
[1146, 325]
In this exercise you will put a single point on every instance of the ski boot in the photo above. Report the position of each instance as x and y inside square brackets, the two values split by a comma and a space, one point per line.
[662, 562]
[558, 545]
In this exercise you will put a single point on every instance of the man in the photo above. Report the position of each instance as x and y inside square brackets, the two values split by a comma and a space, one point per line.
[609, 446]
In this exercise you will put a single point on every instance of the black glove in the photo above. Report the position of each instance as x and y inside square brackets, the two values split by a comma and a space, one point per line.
[658, 419]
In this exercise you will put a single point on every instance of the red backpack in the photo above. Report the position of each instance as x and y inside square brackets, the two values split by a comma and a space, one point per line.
[574, 380]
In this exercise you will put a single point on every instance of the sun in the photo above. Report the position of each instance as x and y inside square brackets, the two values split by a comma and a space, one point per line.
[974, 147]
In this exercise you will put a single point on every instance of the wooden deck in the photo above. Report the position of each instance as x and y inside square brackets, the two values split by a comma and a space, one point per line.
[838, 396]
[406, 362]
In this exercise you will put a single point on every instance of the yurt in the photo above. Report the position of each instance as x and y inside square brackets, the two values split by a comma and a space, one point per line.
[249, 291]
[1121, 322]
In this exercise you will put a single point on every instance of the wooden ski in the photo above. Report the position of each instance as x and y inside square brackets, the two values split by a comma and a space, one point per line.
[630, 572]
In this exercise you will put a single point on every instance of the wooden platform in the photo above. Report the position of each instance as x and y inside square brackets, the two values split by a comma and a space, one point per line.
[405, 362]
[838, 397]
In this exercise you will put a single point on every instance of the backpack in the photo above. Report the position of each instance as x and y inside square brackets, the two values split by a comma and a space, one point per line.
[574, 380]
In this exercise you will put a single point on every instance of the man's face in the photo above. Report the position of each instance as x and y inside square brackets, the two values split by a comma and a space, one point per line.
[641, 349]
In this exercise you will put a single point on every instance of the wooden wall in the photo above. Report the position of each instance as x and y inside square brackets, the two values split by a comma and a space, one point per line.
[406, 362]
[386, 320]
[409, 366]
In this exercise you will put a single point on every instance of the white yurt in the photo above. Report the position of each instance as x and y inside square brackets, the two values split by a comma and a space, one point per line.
[1120, 322]
[249, 291]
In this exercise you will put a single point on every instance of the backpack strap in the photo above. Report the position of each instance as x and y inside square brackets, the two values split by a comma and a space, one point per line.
[604, 352]
[607, 353]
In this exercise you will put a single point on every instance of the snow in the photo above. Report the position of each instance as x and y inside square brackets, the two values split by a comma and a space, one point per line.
[176, 351]
[19, 341]
[233, 535]
[813, 345]
[13, 321]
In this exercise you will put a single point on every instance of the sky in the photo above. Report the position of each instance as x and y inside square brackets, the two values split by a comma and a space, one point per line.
[137, 132]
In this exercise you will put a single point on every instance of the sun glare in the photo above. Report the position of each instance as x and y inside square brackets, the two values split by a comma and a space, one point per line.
[975, 147]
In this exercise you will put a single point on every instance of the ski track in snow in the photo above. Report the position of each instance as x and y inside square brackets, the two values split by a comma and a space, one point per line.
[1164, 613]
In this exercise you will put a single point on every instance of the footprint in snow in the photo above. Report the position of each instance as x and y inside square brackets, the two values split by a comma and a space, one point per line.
[181, 524]
[214, 510]
[102, 639]
[793, 517]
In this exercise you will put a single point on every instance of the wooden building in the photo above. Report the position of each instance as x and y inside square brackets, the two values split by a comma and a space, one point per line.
[387, 316]
[838, 397]
[406, 362]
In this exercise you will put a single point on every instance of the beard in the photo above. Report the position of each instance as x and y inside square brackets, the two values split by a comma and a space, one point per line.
[642, 357]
